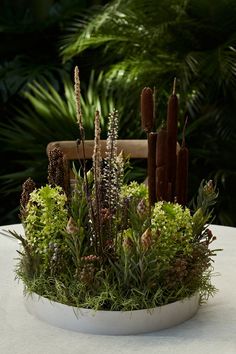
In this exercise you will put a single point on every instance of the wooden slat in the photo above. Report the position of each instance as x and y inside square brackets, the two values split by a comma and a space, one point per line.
[72, 151]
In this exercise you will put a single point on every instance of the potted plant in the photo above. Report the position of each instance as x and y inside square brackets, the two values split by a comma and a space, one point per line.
[102, 256]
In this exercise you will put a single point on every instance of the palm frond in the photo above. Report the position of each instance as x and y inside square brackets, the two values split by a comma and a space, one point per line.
[46, 116]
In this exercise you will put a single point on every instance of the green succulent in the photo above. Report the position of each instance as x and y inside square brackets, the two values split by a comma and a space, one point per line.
[46, 218]
[134, 190]
[172, 227]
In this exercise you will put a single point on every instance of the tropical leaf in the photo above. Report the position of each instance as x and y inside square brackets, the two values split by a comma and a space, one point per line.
[46, 116]
[150, 43]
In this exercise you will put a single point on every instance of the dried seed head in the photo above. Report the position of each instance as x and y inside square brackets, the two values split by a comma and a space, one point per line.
[146, 239]
[77, 95]
[78, 102]
[142, 207]
[87, 273]
[127, 244]
[90, 258]
[72, 227]
[27, 187]
[106, 215]
[56, 168]
[209, 187]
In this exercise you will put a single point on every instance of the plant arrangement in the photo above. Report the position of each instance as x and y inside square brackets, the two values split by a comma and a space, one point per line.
[106, 245]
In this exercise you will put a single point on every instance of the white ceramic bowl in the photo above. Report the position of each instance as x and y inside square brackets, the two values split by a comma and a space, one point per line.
[111, 322]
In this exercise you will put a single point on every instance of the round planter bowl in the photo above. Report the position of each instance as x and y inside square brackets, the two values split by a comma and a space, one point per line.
[111, 322]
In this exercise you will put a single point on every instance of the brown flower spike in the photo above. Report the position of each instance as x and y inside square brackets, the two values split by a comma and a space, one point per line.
[27, 187]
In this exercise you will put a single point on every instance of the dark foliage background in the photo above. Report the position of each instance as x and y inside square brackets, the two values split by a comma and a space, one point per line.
[128, 44]
[29, 36]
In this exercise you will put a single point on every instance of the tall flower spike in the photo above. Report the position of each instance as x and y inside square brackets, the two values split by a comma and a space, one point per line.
[97, 180]
[78, 101]
[27, 187]
[97, 150]
[57, 170]
[110, 176]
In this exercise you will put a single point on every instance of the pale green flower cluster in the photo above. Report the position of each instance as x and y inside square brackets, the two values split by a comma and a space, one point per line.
[134, 190]
[172, 228]
[46, 217]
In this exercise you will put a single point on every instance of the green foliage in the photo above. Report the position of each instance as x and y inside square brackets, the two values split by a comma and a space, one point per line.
[150, 43]
[46, 217]
[134, 190]
[172, 227]
[138, 277]
[25, 54]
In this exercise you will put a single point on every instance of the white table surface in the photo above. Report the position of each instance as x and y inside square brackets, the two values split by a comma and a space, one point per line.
[211, 330]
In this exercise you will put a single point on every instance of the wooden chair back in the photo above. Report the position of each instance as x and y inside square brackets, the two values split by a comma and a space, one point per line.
[73, 150]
